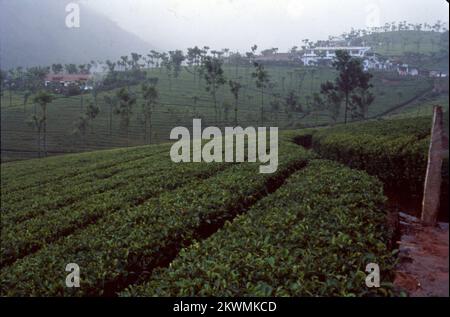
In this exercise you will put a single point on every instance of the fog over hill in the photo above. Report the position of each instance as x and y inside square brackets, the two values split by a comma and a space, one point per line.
[34, 33]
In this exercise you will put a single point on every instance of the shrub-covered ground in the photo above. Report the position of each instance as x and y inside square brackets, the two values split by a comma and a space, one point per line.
[313, 237]
[393, 150]
[307, 230]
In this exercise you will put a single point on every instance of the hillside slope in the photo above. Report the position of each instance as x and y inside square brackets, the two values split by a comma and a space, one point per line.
[397, 43]
[34, 33]
[425, 50]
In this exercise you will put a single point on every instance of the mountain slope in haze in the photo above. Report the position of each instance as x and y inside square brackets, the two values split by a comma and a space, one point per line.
[34, 33]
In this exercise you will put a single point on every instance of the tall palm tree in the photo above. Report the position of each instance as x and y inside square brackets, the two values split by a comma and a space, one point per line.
[43, 99]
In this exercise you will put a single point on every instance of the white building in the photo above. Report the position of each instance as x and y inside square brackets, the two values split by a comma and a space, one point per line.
[437, 74]
[403, 69]
[313, 56]
[372, 62]
[413, 72]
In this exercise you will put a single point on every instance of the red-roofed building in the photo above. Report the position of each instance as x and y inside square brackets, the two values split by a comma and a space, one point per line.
[67, 79]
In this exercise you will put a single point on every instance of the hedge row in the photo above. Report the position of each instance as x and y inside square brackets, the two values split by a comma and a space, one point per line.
[313, 237]
[418, 127]
[393, 150]
[399, 162]
[135, 188]
[37, 172]
[116, 250]
[24, 204]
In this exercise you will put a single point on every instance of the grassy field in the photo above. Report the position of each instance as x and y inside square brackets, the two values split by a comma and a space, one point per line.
[181, 100]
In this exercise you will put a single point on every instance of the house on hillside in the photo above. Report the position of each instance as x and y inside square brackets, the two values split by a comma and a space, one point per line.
[317, 55]
[437, 74]
[413, 72]
[403, 69]
[65, 80]
[374, 62]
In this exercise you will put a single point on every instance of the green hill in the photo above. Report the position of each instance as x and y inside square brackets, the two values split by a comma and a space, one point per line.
[181, 100]
[399, 43]
[34, 33]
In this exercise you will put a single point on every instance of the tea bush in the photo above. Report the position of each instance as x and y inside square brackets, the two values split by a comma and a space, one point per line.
[313, 237]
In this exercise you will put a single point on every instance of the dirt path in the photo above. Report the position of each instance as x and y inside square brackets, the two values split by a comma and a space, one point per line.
[423, 258]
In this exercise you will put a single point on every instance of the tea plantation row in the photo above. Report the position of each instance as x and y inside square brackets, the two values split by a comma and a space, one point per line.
[120, 214]
[44, 213]
[313, 237]
[395, 151]
[129, 242]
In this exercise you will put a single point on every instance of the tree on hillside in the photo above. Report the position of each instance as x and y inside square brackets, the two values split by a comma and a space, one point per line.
[92, 111]
[148, 59]
[125, 108]
[71, 68]
[111, 102]
[35, 78]
[262, 80]
[167, 64]
[111, 76]
[124, 62]
[26, 96]
[40, 120]
[235, 87]
[193, 59]
[226, 52]
[332, 100]
[156, 56]
[195, 100]
[252, 54]
[85, 120]
[150, 96]
[214, 76]
[57, 68]
[351, 76]
[134, 62]
[82, 69]
[275, 107]
[361, 99]
[236, 59]
[176, 59]
[251, 57]
[293, 103]
[2, 79]
[80, 127]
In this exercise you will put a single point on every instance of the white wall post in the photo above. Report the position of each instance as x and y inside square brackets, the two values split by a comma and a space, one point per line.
[433, 178]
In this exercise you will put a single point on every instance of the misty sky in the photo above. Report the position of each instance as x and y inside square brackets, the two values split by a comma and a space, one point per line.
[237, 24]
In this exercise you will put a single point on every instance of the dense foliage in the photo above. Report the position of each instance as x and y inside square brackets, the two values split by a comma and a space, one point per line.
[128, 241]
[313, 237]
[393, 150]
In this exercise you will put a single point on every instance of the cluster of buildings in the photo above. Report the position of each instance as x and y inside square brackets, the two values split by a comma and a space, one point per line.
[324, 56]
[61, 81]
[318, 55]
